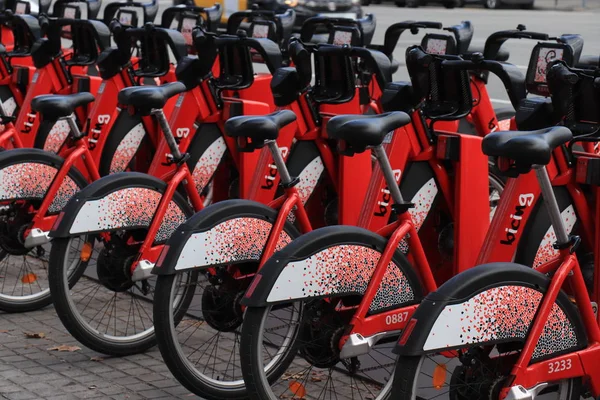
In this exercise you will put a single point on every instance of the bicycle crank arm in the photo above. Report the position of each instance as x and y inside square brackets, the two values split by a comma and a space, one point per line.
[36, 237]
[142, 271]
[520, 393]
[357, 344]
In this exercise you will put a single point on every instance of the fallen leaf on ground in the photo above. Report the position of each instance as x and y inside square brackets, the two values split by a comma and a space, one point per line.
[92, 387]
[29, 278]
[97, 359]
[35, 335]
[64, 347]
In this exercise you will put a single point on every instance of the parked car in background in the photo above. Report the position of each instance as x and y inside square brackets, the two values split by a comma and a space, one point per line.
[304, 8]
[524, 4]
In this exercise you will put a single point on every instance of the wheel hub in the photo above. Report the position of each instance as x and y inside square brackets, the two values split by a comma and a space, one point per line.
[221, 307]
[114, 265]
[321, 330]
[12, 231]
[475, 379]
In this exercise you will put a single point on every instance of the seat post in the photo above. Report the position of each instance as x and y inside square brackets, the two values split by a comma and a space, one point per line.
[286, 179]
[388, 173]
[167, 132]
[562, 237]
[73, 126]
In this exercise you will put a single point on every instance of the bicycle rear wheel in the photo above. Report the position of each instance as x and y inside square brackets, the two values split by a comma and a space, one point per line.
[291, 351]
[476, 374]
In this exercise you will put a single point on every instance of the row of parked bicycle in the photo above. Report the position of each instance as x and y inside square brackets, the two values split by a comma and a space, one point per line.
[317, 231]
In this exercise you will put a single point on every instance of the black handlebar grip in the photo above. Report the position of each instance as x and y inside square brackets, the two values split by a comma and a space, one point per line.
[561, 72]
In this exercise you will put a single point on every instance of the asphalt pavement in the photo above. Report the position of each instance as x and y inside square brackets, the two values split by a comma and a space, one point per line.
[34, 368]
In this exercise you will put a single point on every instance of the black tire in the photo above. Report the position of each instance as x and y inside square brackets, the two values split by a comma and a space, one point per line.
[407, 367]
[401, 3]
[64, 303]
[28, 302]
[412, 3]
[184, 370]
[126, 127]
[260, 385]
[528, 6]
[365, 3]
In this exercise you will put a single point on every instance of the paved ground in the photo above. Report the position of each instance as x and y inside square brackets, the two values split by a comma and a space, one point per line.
[28, 370]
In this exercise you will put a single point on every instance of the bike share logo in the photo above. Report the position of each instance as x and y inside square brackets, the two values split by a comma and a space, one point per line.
[182, 133]
[97, 130]
[525, 200]
[270, 177]
[386, 196]
[28, 124]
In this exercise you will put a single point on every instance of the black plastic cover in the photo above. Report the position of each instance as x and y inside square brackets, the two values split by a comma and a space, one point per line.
[335, 79]
[575, 97]
[399, 96]
[26, 31]
[463, 33]
[210, 16]
[155, 43]
[281, 24]
[93, 7]
[436, 43]
[541, 56]
[315, 25]
[286, 86]
[446, 92]
[149, 10]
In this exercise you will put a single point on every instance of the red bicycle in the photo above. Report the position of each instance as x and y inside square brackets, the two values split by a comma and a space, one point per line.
[503, 330]
[31, 207]
[138, 212]
[215, 241]
[53, 75]
[346, 293]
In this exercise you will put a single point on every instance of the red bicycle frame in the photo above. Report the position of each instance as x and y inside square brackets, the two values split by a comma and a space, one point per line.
[516, 206]
[84, 153]
[465, 200]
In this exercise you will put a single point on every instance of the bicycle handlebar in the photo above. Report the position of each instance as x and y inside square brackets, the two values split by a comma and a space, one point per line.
[497, 39]
[393, 33]
[511, 77]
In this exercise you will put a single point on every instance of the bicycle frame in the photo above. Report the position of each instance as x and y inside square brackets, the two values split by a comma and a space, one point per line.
[78, 156]
[51, 79]
[350, 176]
[86, 152]
[581, 363]
[517, 204]
[467, 203]
[104, 114]
[483, 115]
